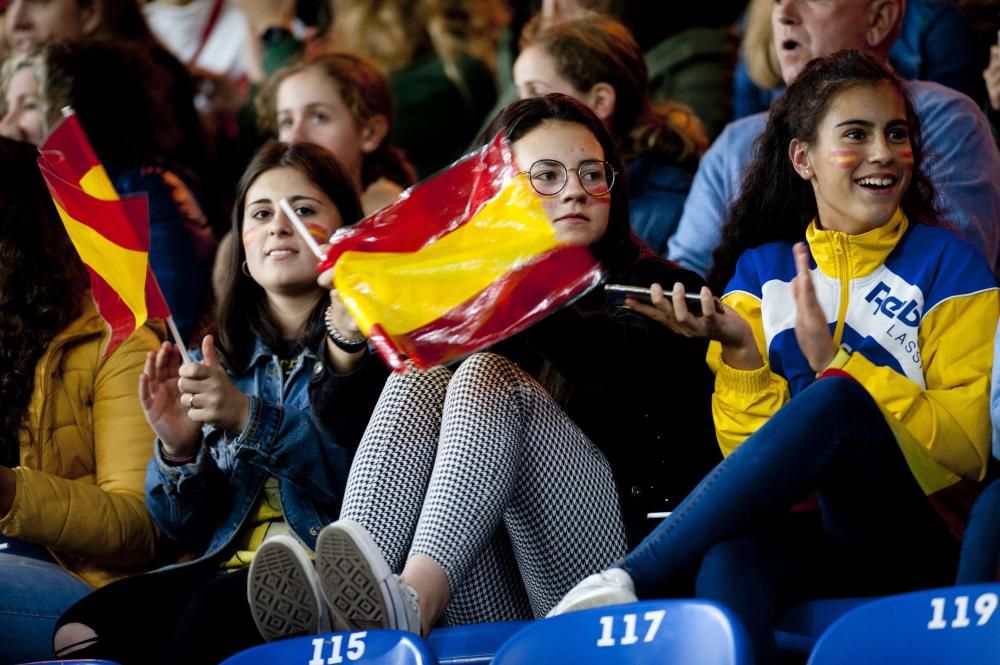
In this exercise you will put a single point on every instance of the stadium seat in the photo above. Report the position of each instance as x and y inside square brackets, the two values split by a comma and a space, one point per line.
[800, 628]
[956, 625]
[377, 647]
[653, 631]
[473, 644]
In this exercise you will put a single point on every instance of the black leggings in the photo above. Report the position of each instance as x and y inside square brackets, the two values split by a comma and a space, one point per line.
[190, 615]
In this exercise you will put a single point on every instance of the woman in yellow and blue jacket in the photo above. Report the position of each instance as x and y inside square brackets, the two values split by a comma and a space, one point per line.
[852, 349]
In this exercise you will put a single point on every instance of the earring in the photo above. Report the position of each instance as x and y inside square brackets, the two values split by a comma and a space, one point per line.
[246, 271]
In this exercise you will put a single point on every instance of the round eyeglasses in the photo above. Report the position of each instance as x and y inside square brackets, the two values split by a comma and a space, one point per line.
[548, 177]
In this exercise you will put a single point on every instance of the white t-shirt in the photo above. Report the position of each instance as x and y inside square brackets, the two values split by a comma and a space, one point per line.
[179, 27]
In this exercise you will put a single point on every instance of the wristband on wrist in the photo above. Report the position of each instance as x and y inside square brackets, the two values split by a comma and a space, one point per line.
[343, 343]
[175, 460]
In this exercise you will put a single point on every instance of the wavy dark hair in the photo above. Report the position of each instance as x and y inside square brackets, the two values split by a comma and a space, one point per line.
[593, 49]
[618, 248]
[42, 286]
[366, 94]
[136, 106]
[775, 204]
[242, 314]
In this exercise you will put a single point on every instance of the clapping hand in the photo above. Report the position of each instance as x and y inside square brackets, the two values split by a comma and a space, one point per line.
[811, 328]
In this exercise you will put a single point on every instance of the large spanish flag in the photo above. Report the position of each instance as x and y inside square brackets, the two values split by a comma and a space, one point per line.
[110, 234]
[459, 262]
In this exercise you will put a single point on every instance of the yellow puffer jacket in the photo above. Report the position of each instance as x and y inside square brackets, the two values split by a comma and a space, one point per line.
[80, 484]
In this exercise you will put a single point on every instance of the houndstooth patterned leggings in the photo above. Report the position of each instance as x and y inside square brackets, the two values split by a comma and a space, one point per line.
[447, 460]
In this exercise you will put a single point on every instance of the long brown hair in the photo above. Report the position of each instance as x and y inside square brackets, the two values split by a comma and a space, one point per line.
[42, 286]
[242, 313]
[775, 203]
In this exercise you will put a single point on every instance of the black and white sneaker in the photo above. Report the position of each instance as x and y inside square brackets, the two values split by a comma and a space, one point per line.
[283, 591]
[360, 589]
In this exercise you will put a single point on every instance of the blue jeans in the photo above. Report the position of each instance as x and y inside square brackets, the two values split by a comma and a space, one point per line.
[981, 543]
[875, 531]
[33, 594]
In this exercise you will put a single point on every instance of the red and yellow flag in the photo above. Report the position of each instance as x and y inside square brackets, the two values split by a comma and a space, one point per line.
[459, 262]
[110, 234]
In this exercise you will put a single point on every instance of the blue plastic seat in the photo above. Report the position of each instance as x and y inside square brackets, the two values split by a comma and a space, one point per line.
[473, 644]
[381, 647]
[956, 625]
[652, 631]
[801, 627]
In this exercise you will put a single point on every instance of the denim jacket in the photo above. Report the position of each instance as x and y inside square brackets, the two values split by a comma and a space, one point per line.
[202, 505]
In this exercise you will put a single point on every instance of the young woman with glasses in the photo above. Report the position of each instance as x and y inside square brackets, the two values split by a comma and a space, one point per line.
[486, 494]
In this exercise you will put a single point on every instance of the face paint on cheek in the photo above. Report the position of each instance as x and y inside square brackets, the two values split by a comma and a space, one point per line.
[906, 159]
[250, 235]
[844, 159]
[319, 233]
[604, 200]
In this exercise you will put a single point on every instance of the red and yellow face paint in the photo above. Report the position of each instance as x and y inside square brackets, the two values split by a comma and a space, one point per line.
[905, 158]
[844, 159]
[319, 233]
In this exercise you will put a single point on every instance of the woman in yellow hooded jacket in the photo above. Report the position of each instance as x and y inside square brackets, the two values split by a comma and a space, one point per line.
[852, 349]
[74, 442]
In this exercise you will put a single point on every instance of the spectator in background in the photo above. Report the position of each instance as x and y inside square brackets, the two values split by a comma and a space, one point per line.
[433, 52]
[74, 443]
[991, 75]
[690, 48]
[595, 60]
[342, 102]
[114, 89]
[206, 35]
[21, 114]
[934, 44]
[963, 161]
[32, 25]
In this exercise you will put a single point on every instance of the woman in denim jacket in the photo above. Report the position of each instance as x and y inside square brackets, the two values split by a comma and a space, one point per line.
[237, 458]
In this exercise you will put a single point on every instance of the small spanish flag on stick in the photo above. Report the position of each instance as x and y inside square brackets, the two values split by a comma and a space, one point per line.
[459, 262]
[110, 234]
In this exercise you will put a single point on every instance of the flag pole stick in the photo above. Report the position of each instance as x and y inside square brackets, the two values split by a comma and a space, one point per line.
[177, 340]
[301, 228]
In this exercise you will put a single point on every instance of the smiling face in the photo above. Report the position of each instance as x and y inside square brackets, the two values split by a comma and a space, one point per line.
[861, 162]
[310, 109]
[24, 120]
[807, 29]
[277, 257]
[578, 218]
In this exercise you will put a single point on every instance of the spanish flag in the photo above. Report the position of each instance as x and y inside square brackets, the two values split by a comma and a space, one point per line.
[110, 234]
[459, 262]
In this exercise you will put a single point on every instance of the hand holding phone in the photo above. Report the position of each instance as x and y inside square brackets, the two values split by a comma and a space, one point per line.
[617, 293]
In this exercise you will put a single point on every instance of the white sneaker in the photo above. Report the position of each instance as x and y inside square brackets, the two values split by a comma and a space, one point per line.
[608, 587]
[283, 591]
[358, 585]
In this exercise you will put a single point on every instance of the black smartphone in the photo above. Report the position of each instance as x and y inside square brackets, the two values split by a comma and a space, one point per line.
[618, 292]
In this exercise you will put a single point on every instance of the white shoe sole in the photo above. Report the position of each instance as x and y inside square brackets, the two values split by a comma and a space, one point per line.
[282, 592]
[355, 579]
